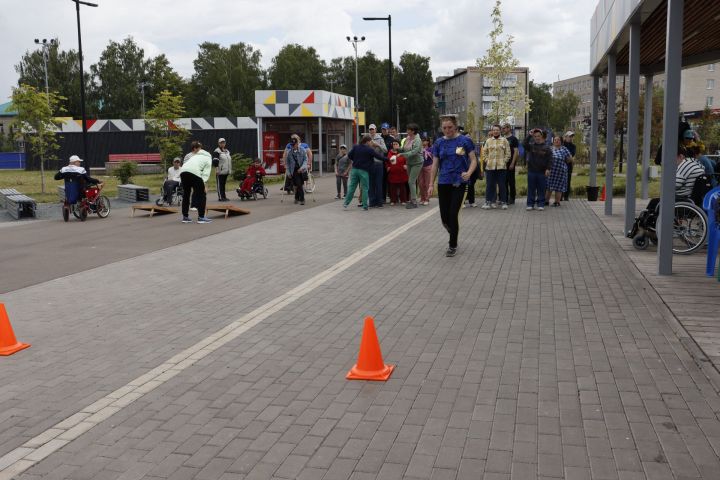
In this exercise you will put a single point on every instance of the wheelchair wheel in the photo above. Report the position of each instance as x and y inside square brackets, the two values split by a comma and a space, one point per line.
[66, 212]
[102, 206]
[75, 207]
[160, 202]
[310, 184]
[176, 199]
[690, 228]
[254, 196]
[83, 213]
[641, 242]
[266, 192]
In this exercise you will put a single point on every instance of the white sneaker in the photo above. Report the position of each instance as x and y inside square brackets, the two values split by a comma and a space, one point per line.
[503, 206]
[193, 209]
[493, 206]
[541, 208]
[529, 209]
[473, 205]
[486, 206]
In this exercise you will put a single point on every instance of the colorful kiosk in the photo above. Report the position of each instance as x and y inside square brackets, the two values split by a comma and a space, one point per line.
[324, 120]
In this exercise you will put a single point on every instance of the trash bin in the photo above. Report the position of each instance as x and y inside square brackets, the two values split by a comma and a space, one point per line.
[592, 193]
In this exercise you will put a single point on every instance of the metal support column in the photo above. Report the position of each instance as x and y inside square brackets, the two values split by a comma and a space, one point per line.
[633, 117]
[594, 131]
[673, 65]
[610, 132]
[320, 150]
[647, 134]
[260, 140]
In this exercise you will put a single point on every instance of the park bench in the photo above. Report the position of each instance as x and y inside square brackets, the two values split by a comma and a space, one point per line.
[133, 193]
[20, 206]
[6, 192]
[146, 162]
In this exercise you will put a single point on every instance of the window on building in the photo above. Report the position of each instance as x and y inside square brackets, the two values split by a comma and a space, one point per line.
[487, 105]
[709, 102]
[710, 84]
[711, 67]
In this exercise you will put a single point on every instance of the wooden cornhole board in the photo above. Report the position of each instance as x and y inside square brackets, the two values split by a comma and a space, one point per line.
[153, 209]
[227, 209]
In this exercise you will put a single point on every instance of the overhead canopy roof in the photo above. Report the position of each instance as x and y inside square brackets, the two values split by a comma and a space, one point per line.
[610, 33]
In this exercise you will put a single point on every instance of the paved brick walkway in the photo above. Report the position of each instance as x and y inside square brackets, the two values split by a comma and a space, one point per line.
[538, 352]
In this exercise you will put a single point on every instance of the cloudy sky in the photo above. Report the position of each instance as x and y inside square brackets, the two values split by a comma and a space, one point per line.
[553, 40]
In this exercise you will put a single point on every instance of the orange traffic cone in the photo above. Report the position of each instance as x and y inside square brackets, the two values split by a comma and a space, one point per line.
[8, 343]
[602, 194]
[370, 365]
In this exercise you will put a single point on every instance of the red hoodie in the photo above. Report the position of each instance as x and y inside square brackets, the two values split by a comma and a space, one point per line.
[397, 172]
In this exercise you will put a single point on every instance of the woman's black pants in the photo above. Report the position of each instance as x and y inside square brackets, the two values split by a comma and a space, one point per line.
[450, 200]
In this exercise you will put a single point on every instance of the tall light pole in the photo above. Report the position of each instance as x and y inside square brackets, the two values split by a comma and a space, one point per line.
[398, 114]
[82, 80]
[355, 41]
[142, 90]
[45, 45]
[390, 66]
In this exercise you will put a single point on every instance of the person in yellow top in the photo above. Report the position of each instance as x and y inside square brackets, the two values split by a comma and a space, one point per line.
[495, 154]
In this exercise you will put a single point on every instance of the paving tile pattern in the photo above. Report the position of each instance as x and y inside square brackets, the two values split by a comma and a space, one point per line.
[536, 353]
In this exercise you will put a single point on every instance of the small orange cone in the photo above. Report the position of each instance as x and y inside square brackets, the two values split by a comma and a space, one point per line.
[370, 365]
[602, 194]
[8, 343]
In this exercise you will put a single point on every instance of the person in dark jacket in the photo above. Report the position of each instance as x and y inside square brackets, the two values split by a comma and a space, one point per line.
[539, 163]
[363, 158]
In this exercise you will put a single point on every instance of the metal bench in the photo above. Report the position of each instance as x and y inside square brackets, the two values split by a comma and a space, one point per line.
[133, 193]
[6, 192]
[20, 206]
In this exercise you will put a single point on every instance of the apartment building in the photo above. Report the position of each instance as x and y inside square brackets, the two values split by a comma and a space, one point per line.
[700, 87]
[455, 93]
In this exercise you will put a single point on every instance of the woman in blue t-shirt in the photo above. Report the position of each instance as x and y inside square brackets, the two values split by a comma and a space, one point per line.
[454, 162]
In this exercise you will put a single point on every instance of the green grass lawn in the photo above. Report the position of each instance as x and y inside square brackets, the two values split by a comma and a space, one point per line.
[29, 183]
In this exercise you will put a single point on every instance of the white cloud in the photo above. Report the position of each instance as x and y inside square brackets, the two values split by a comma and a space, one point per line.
[552, 40]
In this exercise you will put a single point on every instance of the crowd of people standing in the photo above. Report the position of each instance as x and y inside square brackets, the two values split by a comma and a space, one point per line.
[402, 171]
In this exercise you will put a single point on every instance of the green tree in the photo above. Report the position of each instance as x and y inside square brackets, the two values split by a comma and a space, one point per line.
[498, 65]
[159, 76]
[541, 104]
[709, 130]
[340, 75]
[116, 80]
[225, 80]
[564, 108]
[471, 121]
[656, 118]
[63, 75]
[36, 112]
[297, 68]
[414, 82]
[163, 131]
[374, 94]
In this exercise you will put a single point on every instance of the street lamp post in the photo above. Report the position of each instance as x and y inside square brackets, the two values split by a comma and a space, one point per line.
[45, 45]
[355, 41]
[82, 79]
[398, 114]
[390, 66]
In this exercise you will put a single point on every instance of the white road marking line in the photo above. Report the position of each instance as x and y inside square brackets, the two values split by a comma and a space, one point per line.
[51, 440]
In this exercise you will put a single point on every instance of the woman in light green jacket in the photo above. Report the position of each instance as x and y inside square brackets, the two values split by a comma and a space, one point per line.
[412, 151]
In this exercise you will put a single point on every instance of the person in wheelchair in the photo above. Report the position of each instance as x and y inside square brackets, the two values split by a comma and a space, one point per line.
[172, 181]
[73, 173]
[253, 182]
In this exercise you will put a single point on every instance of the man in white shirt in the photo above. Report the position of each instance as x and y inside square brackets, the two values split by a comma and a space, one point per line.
[172, 181]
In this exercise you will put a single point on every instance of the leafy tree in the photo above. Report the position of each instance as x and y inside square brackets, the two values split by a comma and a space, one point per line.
[498, 64]
[164, 134]
[37, 125]
[116, 79]
[373, 88]
[340, 74]
[564, 107]
[709, 130]
[471, 121]
[620, 100]
[297, 68]
[63, 75]
[414, 81]
[159, 76]
[541, 104]
[225, 80]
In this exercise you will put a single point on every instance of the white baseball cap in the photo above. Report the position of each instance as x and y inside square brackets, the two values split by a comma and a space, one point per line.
[222, 140]
[372, 127]
[75, 158]
[569, 133]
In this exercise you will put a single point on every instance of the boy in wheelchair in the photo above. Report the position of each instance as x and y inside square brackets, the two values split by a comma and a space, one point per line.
[171, 188]
[252, 185]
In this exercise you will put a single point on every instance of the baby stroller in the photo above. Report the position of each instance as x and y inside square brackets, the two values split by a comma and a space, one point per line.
[250, 190]
[690, 224]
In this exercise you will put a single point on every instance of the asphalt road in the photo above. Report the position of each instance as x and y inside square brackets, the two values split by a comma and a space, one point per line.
[36, 251]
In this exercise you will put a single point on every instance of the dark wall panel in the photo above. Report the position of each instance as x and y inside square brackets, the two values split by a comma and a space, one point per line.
[101, 144]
